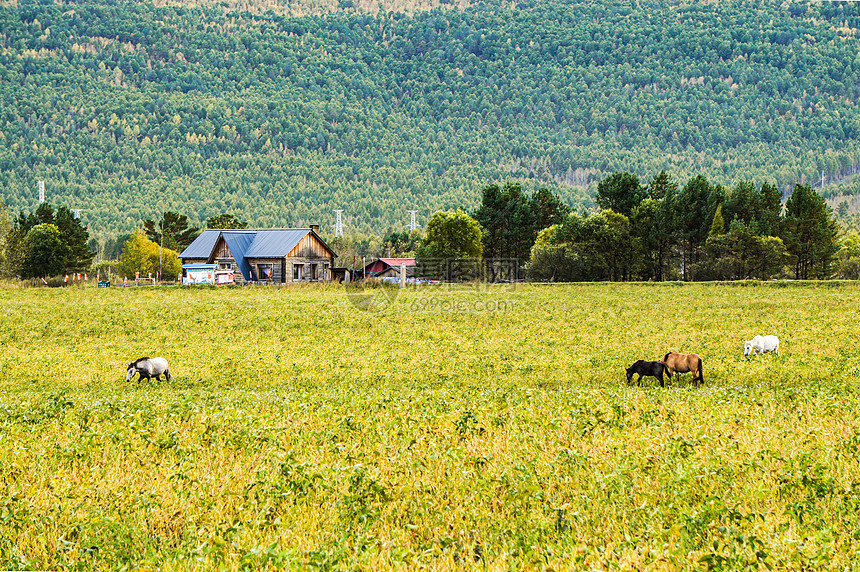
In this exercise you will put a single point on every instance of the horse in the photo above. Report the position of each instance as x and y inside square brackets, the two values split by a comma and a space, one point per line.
[682, 363]
[761, 344]
[148, 368]
[651, 368]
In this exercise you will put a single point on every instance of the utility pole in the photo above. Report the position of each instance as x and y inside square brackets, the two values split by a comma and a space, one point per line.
[338, 224]
[161, 245]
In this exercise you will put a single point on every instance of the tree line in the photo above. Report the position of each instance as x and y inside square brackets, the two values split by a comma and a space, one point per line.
[640, 231]
[49, 244]
[658, 231]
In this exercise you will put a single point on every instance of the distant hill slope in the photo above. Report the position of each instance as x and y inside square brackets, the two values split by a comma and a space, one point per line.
[317, 7]
[124, 108]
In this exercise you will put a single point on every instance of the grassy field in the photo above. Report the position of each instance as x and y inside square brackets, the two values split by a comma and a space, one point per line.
[487, 428]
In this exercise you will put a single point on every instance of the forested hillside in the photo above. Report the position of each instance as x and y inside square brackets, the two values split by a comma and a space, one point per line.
[126, 108]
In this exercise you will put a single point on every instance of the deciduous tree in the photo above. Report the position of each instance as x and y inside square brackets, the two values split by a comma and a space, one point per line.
[848, 256]
[452, 247]
[741, 254]
[140, 255]
[46, 252]
[599, 247]
[452, 235]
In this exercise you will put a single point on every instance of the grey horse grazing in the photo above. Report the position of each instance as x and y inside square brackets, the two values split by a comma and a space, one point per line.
[148, 368]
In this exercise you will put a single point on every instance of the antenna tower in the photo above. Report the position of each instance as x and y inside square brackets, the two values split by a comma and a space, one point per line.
[41, 192]
[338, 224]
[412, 224]
[77, 212]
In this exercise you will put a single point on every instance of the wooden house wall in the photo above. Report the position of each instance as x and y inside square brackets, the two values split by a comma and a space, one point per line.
[222, 250]
[223, 256]
[278, 265]
[309, 247]
[324, 267]
[310, 250]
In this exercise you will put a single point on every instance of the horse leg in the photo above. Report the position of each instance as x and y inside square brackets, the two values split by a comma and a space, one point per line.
[660, 377]
[158, 378]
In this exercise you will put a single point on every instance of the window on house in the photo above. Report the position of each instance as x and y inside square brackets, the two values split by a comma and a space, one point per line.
[264, 271]
[298, 271]
[224, 266]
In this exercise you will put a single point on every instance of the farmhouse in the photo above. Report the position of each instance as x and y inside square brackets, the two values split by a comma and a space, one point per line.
[279, 255]
[389, 267]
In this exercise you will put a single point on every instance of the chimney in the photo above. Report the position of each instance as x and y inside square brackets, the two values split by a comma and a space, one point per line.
[315, 228]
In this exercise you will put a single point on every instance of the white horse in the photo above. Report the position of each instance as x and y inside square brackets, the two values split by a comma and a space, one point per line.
[148, 368]
[762, 344]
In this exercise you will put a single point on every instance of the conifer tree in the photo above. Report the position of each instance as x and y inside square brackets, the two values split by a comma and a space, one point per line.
[810, 233]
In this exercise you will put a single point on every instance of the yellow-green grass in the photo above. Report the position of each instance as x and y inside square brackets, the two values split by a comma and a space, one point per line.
[489, 428]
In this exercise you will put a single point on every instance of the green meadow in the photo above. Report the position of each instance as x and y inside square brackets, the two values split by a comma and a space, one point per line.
[486, 428]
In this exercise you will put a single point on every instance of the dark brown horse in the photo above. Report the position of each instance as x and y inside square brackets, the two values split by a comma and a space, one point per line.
[682, 363]
[652, 368]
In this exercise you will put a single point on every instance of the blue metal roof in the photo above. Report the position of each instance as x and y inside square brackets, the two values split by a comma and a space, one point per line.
[276, 243]
[202, 245]
[239, 243]
[247, 243]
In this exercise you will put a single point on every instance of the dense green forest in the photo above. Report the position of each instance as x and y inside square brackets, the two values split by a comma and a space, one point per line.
[126, 109]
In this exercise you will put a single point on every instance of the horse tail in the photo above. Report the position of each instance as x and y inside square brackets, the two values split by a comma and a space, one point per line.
[701, 372]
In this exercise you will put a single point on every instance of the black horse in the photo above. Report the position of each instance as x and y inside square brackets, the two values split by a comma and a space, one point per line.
[652, 368]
